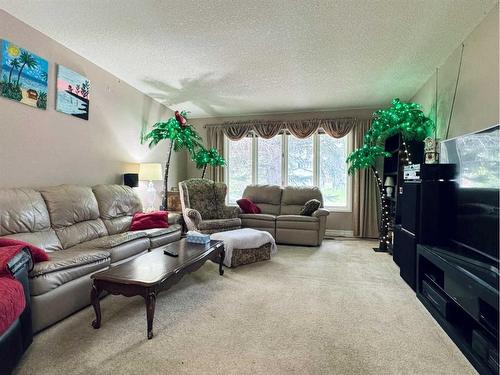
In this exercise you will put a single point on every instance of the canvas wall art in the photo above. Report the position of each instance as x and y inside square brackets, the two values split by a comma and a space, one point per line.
[23, 75]
[73, 91]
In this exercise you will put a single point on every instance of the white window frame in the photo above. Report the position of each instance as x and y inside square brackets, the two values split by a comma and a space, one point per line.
[284, 165]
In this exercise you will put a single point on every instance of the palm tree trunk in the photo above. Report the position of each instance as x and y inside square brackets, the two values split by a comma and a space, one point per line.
[384, 214]
[10, 73]
[19, 74]
[204, 170]
[165, 179]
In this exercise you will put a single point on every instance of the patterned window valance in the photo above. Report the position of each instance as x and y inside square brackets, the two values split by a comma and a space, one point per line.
[336, 128]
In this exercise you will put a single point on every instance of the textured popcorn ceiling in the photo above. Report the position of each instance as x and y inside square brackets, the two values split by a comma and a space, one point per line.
[241, 57]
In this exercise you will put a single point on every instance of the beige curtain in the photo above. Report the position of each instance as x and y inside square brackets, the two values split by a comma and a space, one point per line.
[338, 128]
[302, 128]
[365, 201]
[267, 130]
[236, 131]
[215, 139]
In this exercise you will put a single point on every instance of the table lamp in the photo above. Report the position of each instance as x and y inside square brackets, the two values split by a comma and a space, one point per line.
[389, 185]
[150, 172]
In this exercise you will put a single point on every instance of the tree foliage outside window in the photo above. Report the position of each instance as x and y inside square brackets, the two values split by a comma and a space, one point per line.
[239, 167]
[300, 161]
[269, 161]
[315, 161]
[333, 170]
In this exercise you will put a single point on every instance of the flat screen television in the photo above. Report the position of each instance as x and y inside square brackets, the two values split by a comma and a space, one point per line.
[476, 224]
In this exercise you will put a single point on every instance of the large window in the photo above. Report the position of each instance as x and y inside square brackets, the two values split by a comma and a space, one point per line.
[300, 161]
[239, 166]
[269, 161]
[285, 160]
[333, 170]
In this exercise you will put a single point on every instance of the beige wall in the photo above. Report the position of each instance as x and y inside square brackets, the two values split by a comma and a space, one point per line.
[477, 99]
[336, 220]
[40, 148]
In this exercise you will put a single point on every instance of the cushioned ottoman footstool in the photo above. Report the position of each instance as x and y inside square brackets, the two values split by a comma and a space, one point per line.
[245, 246]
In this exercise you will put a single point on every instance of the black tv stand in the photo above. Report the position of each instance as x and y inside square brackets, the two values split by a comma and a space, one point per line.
[463, 298]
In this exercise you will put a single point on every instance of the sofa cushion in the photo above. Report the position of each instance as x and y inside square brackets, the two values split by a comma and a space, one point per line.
[162, 236]
[297, 222]
[294, 198]
[117, 204]
[247, 206]
[64, 266]
[258, 221]
[24, 216]
[213, 226]
[200, 194]
[74, 214]
[310, 207]
[149, 220]
[12, 302]
[266, 197]
[157, 232]
[120, 246]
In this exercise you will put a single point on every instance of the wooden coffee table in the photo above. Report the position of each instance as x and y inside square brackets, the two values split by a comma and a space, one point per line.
[153, 272]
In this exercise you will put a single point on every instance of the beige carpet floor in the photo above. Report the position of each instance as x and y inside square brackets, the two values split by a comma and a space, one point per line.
[337, 309]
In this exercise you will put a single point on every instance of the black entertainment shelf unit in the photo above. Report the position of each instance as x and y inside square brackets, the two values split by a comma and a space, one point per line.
[462, 295]
[393, 167]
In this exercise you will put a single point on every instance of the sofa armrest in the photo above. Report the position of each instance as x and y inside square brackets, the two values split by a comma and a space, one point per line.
[231, 212]
[173, 218]
[193, 215]
[320, 212]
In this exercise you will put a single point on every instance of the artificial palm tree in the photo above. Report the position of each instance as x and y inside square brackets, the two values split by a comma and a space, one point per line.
[402, 118]
[203, 158]
[26, 59]
[181, 136]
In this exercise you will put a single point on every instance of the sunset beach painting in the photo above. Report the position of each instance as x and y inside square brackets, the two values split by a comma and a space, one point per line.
[73, 92]
[23, 75]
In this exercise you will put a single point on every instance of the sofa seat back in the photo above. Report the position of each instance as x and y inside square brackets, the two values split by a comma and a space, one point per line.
[74, 214]
[204, 196]
[266, 197]
[24, 216]
[294, 198]
[117, 205]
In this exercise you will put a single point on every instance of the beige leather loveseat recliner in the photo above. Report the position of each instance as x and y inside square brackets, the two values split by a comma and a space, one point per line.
[279, 215]
[84, 230]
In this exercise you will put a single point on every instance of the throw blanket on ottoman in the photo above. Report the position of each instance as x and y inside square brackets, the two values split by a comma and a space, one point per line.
[246, 238]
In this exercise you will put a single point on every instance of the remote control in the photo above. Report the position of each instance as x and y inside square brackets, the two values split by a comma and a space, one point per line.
[171, 253]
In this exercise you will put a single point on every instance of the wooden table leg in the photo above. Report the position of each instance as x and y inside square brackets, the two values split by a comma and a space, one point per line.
[222, 254]
[150, 312]
[94, 298]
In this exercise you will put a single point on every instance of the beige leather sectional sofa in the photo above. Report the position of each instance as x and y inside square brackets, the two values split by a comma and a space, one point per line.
[280, 214]
[85, 230]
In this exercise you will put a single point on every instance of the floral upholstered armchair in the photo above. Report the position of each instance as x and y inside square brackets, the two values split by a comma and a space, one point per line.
[204, 208]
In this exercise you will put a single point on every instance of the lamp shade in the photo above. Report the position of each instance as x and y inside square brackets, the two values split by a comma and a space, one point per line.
[150, 172]
[389, 181]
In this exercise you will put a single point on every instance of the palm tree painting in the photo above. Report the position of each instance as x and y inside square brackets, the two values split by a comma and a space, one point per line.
[23, 75]
[73, 91]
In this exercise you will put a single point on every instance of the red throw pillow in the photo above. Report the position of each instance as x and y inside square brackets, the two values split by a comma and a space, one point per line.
[248, 206]
[38, 254]
[149, 220]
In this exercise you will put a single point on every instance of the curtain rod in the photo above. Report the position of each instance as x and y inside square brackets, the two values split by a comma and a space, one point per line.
[241, 122]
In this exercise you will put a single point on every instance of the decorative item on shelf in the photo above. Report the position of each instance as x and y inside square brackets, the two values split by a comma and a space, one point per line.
[389, 186]
[431, 145]
[23, 75]
[181, 135]
[150, 172]
[402, 118]
[173, 201]
[131, 179]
